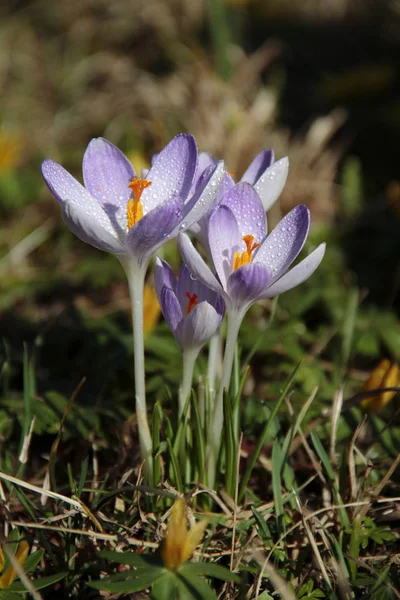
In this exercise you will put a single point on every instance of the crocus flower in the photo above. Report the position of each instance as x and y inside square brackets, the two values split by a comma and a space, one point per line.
[250, 265]
[385, 375]
[119, 212]
[192, 311]
[266, 175]
[179, 543]
[132, 216]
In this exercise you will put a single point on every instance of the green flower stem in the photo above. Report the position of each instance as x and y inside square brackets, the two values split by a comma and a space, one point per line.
[234, 323]
[135, 276]
[189, 359]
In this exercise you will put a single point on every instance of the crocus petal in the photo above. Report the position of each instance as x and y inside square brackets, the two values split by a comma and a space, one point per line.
[262, 161]
[203, 198]
[298, 274]
[247, 283]
[154, 229]
[285, 242]
[271, 183]
[224, 239]
[171, 309]
[107, 173]
[172, 172]
[93, 229]
[163, 276]
[64, 187]
[196, 264]
[188, 283]
[205, 160]
[199, 326]
[249, 213]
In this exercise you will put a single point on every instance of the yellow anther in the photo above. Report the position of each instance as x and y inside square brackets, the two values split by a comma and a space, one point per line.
[134, 208]
[242, 258]
[192, 302]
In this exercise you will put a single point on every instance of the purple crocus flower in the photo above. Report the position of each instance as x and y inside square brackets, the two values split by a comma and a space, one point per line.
[266, 175]
[192, 311]
[118, 212]
[250, 265]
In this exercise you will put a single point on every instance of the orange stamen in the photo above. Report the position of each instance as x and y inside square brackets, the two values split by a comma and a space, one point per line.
[242, 258]
[134, 208]
[192, 302]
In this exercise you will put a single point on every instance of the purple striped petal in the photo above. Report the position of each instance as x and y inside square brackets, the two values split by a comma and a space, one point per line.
[262, 161]
[107, 173]
[170, 308]
[285, 242]
[204, 197]
[205, 161]
[247, 284]
[224, 240]
[249, 213]
[196, 264]
[271, 183]
[154, 229]
[188, 283]
[199, 326]
[64, 187]
[163, 276]
[172, 172]
[298, 274]
[91, 229]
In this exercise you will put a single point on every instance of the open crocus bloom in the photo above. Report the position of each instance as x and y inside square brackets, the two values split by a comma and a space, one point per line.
[250, 265]
[192, 311]
[119, 212]
[266, 175]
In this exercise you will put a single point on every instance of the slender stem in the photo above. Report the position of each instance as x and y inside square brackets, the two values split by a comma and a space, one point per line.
[135, 276]
[189, 359]
[234, 322]
[214, 354]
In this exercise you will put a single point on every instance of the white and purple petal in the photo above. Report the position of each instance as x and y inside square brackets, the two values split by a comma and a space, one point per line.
[247, 283]
[64, 187]
[187, 283]
[199, 326]
[154, 229]
[271, 183]
[258, 166]
[172, 172]
[107, 173]
[248, 210]
[298, 274]
[94, 229]
[284, 243]
[196, 264]
[163, 276]
[224, 240]
[171, 309]
[203, 199]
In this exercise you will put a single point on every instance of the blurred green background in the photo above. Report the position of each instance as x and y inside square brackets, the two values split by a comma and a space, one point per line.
[316, 80]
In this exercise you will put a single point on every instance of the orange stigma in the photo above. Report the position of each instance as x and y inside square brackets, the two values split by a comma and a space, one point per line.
[242, 258]
[192, 302]
[134, 208]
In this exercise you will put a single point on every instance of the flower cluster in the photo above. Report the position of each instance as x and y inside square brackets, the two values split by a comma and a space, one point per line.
[132, 215]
